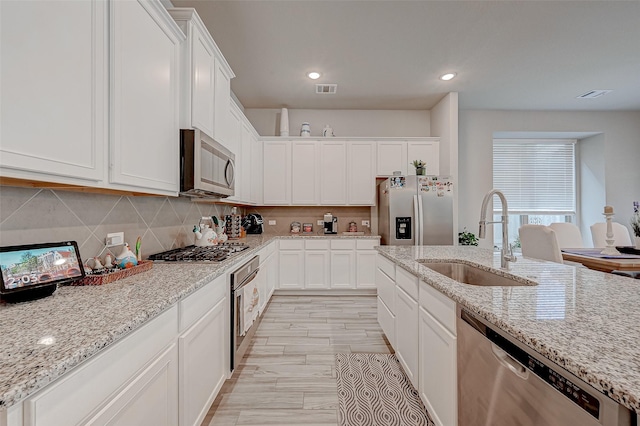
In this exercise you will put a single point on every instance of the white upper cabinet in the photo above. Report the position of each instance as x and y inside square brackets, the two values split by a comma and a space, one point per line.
[333, 173]
[54, 82]
[257, 167]
[392, 157]
[235, 134]
[198, 64]
[246, 160]
[206, 81]
[428, 151]
[223, 127]
[277, 173]
[304, 173]
[361, 173]
[145, 45]
[243, 135]
[396, 156]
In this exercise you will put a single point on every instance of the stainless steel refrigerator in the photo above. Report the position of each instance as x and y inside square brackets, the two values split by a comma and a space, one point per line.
[416, 210]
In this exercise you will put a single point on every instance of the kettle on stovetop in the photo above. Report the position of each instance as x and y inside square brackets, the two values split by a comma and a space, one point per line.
[204, 234]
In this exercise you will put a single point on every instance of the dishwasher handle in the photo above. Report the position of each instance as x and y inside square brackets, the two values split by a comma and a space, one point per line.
[509, 362]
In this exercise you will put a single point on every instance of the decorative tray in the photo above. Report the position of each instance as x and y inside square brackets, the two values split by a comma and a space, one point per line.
[99, 279]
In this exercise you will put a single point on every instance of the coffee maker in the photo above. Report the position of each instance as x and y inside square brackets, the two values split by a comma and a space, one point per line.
[330, 224]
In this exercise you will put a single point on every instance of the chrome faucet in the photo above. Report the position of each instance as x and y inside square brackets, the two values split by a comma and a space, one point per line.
[506, 254]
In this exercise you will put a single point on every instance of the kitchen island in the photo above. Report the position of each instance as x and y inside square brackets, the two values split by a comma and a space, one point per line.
[43, 341]
[583, 320]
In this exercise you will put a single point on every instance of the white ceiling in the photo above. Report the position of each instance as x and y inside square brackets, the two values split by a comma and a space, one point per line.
[526, 55]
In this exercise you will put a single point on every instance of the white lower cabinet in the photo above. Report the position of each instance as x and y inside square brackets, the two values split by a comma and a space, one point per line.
[343, 273]
[366, 263]
[387, 321]
[292, 267]
[343, 264]
[366, 269]
[149, 399]
[407, 334]
[316, 269]
[386, 286]
[327, 263]
[317, 264]
[107, 387]
[202, 364]
[438, 370]
[272, 271]
[261, 281]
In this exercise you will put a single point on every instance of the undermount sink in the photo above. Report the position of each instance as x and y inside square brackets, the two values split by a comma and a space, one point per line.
[468, 274]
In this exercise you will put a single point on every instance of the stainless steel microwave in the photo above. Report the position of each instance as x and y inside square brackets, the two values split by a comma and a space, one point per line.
[206, 167]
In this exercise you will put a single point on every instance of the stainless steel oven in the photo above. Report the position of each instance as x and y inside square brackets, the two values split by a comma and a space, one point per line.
[242, 305]
[207, 168]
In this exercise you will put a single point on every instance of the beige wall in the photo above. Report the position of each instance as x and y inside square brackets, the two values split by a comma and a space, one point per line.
[345, 123]
[620, 130]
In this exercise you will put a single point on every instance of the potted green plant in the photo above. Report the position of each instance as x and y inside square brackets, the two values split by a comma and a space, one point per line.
[466, 238]
[635, 226]
[421, 167]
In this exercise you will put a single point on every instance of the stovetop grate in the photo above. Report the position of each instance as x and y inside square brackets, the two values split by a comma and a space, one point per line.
[200, 254]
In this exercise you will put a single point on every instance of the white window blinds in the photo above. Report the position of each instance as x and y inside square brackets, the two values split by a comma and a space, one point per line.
[536, 176]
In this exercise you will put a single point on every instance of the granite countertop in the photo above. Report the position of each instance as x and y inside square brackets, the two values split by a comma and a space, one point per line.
[583, 320]
[82, 320]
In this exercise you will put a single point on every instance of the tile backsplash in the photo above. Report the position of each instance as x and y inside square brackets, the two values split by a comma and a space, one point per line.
[30, 215]
[285, 215]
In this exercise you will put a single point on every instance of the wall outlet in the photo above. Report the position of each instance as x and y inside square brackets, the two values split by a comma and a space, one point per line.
[272, 222]
[320, 222]
[114, 239]
[365, 223]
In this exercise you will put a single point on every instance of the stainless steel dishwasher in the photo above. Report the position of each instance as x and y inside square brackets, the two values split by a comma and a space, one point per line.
[502, 382]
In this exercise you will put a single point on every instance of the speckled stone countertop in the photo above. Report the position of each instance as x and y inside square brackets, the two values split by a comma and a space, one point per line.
[83, 320]
[585, 321]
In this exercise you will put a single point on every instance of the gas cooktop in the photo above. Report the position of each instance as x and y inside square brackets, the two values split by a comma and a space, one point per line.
[217, 253]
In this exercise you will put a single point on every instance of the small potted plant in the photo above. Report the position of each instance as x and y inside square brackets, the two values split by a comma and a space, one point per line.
[466, 238]
[421, 167]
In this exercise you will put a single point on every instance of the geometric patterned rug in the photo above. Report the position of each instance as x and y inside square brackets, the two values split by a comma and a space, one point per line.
[373, 390]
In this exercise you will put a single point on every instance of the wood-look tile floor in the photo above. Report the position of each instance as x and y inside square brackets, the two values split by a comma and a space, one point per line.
[288, 376]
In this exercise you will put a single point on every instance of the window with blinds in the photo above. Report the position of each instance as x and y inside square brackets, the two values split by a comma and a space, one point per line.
[538, 177]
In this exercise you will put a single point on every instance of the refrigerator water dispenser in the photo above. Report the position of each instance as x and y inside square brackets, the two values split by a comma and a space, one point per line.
[403, 228]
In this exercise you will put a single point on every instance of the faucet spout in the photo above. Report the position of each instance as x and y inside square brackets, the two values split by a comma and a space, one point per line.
[506, 254]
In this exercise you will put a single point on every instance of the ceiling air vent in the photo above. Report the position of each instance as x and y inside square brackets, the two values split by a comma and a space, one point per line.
[592, 94]
[326, 89]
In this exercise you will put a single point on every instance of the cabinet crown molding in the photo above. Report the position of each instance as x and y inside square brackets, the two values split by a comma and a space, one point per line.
[189, 14]
[164, 18]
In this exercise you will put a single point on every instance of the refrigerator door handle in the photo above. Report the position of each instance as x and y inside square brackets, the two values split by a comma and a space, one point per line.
[421, 219]
[417, 231]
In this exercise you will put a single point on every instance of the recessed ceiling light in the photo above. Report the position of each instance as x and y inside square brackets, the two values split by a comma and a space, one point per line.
[448, 76]
[314, 75]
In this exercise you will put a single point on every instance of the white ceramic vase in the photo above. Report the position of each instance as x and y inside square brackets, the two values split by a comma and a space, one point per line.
[284, 122]
[638, 243]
